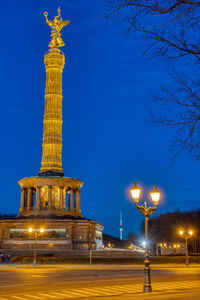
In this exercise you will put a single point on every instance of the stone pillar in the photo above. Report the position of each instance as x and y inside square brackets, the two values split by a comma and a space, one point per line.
[25, 199]
[30, 195]
[50, 198]
[77, 202]
[64, 199]
[32, 199]
[70, 201]
[61, 198]
[37, 206]
[22, 200]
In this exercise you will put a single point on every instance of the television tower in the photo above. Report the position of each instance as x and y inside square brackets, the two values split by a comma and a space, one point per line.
[120, 228]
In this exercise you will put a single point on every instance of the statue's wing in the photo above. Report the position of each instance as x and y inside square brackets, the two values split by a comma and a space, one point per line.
[64, 23]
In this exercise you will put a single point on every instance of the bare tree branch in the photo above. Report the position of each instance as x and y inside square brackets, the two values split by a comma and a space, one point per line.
[173, 28]
[174, 20]
[183, 113]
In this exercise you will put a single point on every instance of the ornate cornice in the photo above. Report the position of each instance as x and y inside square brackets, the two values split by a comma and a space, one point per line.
[65, 182]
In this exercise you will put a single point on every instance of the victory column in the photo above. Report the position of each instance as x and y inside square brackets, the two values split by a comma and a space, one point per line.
[51, 200]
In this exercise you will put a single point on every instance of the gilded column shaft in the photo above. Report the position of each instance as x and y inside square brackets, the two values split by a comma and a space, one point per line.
[52, 130]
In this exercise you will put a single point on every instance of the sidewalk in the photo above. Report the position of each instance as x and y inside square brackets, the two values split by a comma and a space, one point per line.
[84, 266]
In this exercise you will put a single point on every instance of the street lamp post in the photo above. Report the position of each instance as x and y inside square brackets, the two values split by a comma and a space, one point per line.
[186, 236]
[146, 211]
[36, 234]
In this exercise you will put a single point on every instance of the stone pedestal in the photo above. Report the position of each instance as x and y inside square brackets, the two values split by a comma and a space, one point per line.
[63, 234]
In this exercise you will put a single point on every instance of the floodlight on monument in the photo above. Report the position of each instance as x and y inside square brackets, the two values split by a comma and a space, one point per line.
[135, 192]
[30, 230]
[130, 247]
[190, 232]
[41, 230]
[181, 232]
[109, 245]
[155, 195]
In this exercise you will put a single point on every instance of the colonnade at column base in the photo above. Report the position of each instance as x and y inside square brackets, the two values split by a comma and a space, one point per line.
[50, 196]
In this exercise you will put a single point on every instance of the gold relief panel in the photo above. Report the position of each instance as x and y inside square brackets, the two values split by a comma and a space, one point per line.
[56, 197]
[44, 197]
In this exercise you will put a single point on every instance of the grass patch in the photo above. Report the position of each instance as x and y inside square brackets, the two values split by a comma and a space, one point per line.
[103, 260]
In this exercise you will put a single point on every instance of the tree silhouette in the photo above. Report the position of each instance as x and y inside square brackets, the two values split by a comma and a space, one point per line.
[165, 227]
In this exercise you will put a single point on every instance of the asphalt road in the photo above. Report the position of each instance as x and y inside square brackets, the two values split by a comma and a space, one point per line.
[97, 282]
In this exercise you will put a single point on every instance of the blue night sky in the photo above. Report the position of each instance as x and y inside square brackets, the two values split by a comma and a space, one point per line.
[108, 139]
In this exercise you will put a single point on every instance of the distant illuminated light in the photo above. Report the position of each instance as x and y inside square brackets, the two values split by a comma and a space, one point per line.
[144, 244]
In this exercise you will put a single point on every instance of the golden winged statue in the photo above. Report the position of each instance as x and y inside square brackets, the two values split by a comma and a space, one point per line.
[56, 26]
